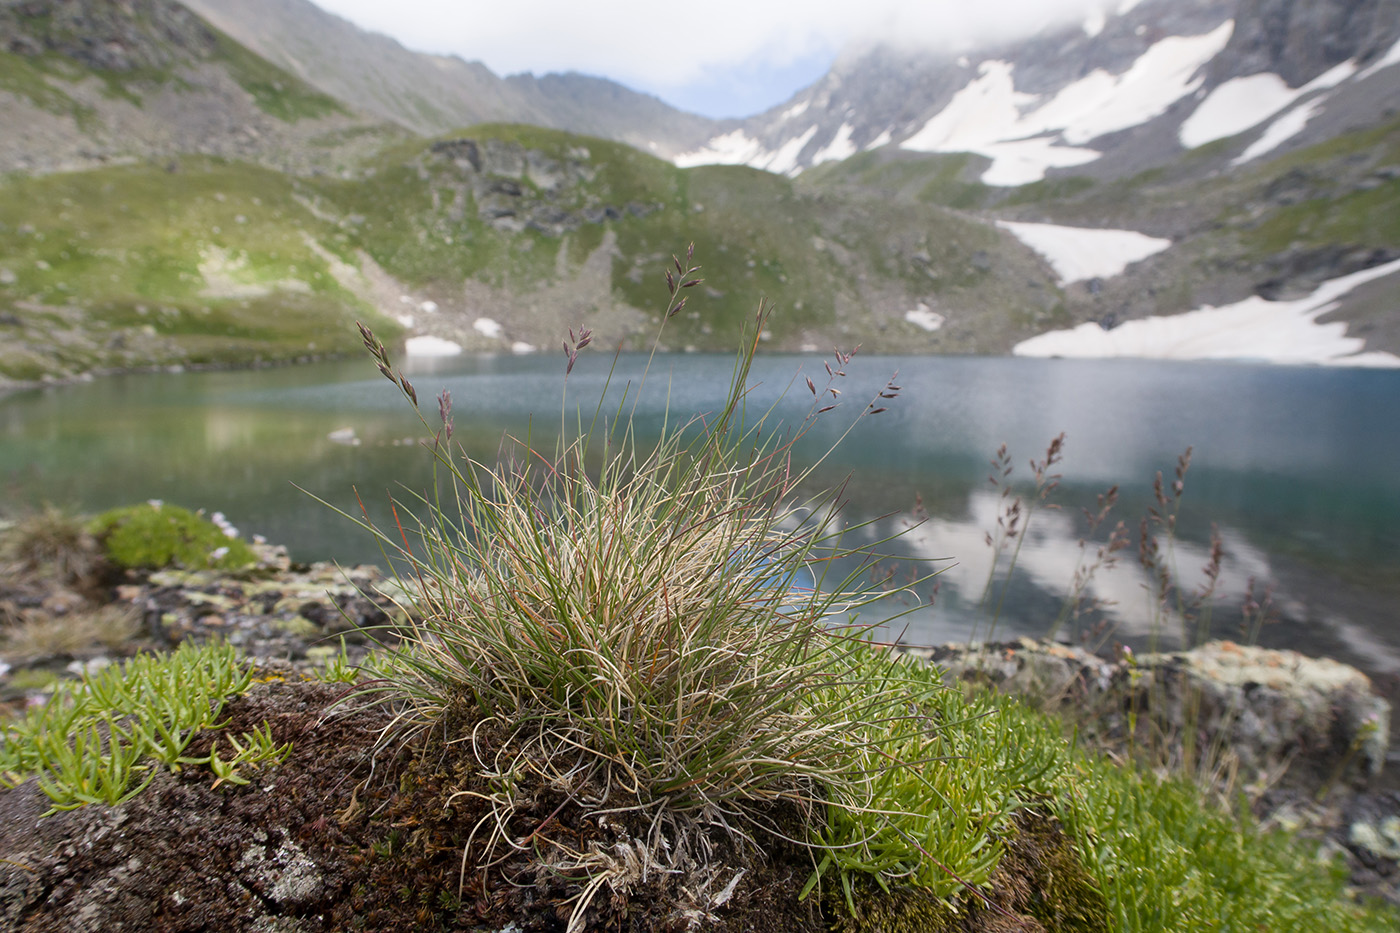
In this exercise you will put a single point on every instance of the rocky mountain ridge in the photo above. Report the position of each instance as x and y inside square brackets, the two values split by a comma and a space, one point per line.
[1106, 98]
[87, 84]
[434, 94]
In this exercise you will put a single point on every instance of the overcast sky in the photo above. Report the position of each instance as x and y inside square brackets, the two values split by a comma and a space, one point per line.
[721, 58]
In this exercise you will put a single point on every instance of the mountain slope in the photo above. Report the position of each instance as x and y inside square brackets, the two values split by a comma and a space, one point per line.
[432, 94]
[1110, 98]
[86, 83]
[498, 240]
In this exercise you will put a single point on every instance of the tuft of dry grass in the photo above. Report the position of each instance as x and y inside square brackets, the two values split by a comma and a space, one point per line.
[53, 543]
[38, 635]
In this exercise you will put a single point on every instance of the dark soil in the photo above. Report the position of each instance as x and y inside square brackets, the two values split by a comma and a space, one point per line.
[340, 837]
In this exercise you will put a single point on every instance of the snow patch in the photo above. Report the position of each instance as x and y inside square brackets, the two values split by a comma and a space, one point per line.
[1025, 160]
[1242, 103]
[1284, 128]
[736, 148]
[882, 140]
[925, 317]
[487, 327]
[1234, 107]
[431, 346]
[784, 161]
[1275, 331]
[1101, 103]
[1078, 253]
[520, 348]
[1331, 77]
[733, 148]
[796, 110]
[839, 148]
[990, 117]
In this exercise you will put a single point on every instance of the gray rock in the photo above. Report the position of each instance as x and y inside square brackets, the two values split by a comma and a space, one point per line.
[1267, 710]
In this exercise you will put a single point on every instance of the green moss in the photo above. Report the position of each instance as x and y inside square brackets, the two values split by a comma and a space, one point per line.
[298, 626]
[900, 910]
[154, 535]
[31, 678]
[1049, 880]
[1040, 878]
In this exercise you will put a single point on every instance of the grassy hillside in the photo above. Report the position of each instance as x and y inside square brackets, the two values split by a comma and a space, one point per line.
[208, 261]
[197, 262]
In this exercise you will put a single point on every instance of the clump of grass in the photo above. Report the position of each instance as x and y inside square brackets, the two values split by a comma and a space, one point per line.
[53, 542]
[629, 626]
[43, 636]
[155, 535]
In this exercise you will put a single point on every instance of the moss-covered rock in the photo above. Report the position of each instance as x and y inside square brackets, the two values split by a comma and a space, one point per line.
[155, 535]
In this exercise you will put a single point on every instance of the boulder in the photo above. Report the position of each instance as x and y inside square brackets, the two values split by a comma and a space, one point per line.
[1254, 711]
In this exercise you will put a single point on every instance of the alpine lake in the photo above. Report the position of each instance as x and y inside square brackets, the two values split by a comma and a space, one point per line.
[1297, 469]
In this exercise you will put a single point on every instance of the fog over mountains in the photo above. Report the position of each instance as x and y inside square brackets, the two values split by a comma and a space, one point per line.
[1110, 92]
[1111, 96]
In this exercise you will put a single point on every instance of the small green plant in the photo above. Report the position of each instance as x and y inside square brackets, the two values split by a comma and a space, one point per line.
[256, 749]
[96, 763]
[155, 535]
[101, 739]
[338, 670]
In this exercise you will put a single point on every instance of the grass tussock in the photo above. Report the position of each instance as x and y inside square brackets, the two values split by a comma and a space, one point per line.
[112, 627]
[53, 543]
[633, 618]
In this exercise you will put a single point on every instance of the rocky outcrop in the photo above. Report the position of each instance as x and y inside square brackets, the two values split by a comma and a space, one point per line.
[1300, 39]
[120, 36]
[1298, 272]
[1260, 713]
[515, 188]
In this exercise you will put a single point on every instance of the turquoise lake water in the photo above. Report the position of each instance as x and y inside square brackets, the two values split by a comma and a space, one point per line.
[1298, 468]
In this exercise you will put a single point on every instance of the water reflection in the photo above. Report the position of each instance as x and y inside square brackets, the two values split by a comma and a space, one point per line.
[1295, 465]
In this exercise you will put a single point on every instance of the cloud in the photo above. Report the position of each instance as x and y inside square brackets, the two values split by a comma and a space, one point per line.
[669, 46]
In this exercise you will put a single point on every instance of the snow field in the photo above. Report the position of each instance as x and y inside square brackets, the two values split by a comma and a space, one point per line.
[1273, 331]
[1080, 253]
